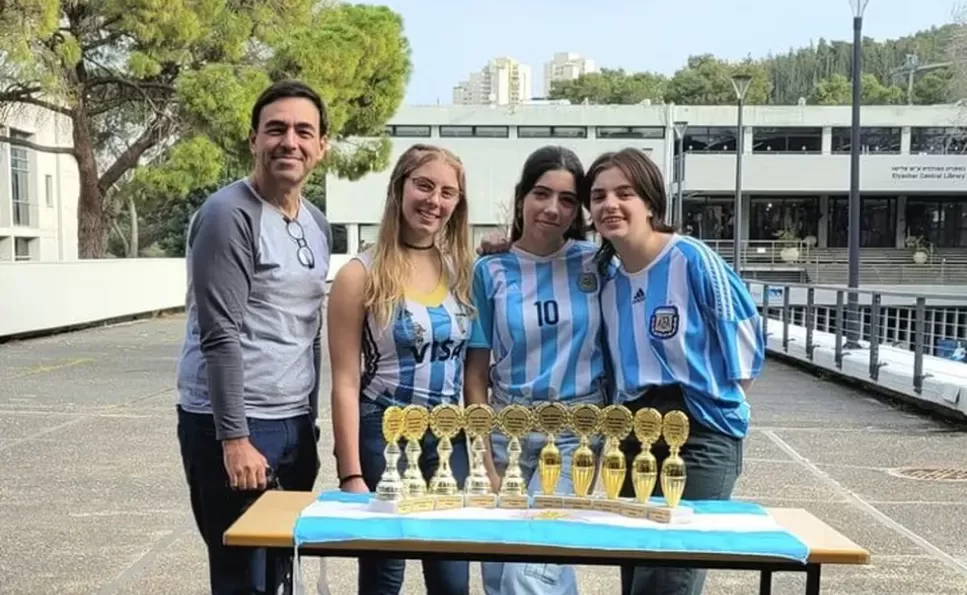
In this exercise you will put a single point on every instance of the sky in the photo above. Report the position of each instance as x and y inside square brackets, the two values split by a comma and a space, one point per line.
[452, 38]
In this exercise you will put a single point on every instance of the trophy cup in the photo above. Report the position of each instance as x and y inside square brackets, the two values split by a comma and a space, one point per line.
[478, 423]
[445, 423]
[644, 468]
[415, 498]
[514, 421]
[550, 418]
[616, 423]
[584, 420]
[389, 490]
[674, 428]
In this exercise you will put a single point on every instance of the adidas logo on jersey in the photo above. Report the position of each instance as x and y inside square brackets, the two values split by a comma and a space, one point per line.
[639, 296]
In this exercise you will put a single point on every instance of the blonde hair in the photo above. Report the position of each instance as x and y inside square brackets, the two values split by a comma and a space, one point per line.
[390, 267]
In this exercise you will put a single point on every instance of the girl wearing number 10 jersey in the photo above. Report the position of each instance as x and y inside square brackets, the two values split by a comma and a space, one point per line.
[538, 316]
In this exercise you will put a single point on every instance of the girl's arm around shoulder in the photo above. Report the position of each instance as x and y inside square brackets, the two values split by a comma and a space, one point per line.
[346, 316]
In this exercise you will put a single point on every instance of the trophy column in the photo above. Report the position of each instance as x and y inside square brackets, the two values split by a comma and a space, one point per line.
[479, 422]
[616, 422]
[550, 418]
[584, 420]
[514, 421]
[445, 422]
[675, 431]
[389, 490]
[644, 468]
[415, 498]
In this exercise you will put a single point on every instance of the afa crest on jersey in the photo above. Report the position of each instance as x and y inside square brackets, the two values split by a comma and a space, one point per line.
[664, 322]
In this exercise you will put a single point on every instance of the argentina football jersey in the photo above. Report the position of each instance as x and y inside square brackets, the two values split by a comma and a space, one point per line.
[541, 319]
[685, 319]
[419, 356]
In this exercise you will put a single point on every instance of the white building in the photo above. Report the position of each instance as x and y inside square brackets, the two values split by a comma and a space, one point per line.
[796, 165]
[566, 66]
[503, 81]
[38, 189]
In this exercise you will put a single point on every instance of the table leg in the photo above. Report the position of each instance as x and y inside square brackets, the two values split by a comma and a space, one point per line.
[765, 582]
[812, 579]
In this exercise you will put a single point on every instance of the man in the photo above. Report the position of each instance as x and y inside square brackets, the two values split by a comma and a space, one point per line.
[248, 377]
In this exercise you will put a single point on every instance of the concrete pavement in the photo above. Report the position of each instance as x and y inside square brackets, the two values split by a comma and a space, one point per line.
[93, 499]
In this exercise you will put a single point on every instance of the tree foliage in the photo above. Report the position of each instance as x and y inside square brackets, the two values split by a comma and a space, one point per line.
[816, 73]
[171, 85]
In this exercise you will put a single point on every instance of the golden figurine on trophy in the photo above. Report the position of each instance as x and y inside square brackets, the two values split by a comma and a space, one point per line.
[389, 490]
[515, 421]
[415, 498]
[584, 420]
[478, 422]
[616, 423]
[644, 467]
[446, 421]
[674, 429]
[550, 418]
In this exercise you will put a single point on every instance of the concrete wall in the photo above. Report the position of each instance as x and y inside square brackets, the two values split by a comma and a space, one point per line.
[47, 296]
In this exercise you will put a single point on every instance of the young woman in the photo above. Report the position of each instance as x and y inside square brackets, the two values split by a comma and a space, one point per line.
[400, 316]
[540, 319]
[683, 333]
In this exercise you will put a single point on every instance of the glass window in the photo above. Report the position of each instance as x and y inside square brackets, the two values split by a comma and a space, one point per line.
[872, 140]
[938, 141]
[456, 131]
[552, 132]
[492, 131]
[878, 222]
[630, 132]
[21, 249]
[787, 140]
[20, 180]
[408, 131]
[49, 189]
[709, 139]
[941, 221]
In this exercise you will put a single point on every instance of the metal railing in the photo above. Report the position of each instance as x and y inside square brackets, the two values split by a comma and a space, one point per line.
[910, 343]
[765, 252]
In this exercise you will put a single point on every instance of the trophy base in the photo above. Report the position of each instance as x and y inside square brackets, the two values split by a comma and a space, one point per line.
[578, 502]
[611, 505]
[671, 516]
[403, 506]
[545, 501]
[635, 509]
[512, 501]
[480, 500]
[448, 501]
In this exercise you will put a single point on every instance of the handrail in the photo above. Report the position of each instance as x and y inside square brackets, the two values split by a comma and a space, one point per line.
[845, 288]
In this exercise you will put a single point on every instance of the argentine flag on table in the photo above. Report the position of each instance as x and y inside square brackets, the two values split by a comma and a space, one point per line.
[720, 527]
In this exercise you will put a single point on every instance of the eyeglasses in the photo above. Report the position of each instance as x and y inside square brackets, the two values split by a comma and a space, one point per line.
[297, 233]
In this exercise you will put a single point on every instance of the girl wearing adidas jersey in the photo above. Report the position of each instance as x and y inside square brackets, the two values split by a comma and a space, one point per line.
[683, 333]
[539, 318]
[399, 318]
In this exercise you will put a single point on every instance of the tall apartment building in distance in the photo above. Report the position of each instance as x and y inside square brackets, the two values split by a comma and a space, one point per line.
[566, 66]
[503, 81]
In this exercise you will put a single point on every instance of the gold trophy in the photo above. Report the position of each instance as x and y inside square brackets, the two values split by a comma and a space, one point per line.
[674, 428]
[415, 498]
[389, 490]
[445, 423]
[616, 423]
[479, 422]
[644, 468]
[550, 418]
[515, 421]
[584, 420]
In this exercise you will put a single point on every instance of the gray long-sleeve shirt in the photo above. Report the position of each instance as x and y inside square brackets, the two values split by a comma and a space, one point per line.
[254, 311]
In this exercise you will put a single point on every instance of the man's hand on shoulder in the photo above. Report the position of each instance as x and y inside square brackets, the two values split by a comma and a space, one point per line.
[244, 464]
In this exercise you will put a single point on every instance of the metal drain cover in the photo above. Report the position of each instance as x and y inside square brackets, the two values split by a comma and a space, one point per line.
[930, 473]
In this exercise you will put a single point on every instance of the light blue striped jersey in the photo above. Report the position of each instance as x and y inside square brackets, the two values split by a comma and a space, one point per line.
[418, 358]
[541, 318]
[688, 319]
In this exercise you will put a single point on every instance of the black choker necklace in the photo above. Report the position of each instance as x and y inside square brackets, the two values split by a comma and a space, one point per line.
[412, 247]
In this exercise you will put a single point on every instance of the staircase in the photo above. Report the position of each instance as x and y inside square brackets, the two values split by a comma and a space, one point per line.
[888, 266]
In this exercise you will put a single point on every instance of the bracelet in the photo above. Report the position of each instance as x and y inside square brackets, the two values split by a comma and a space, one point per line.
[349, 477]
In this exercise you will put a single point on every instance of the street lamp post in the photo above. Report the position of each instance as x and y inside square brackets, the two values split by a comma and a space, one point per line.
[853, 279]
[680, 128]
[740, 82]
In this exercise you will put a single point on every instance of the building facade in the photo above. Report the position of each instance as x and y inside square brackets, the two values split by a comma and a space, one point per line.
[503, 81]
[565, 66]
[796, 166]
[38, 189]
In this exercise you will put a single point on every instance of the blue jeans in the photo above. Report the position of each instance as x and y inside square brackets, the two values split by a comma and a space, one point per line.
[289, 445]
[713, 462]
[531, 578]
[384, 576]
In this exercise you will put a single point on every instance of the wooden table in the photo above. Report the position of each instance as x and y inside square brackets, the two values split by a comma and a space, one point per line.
[268, 523]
